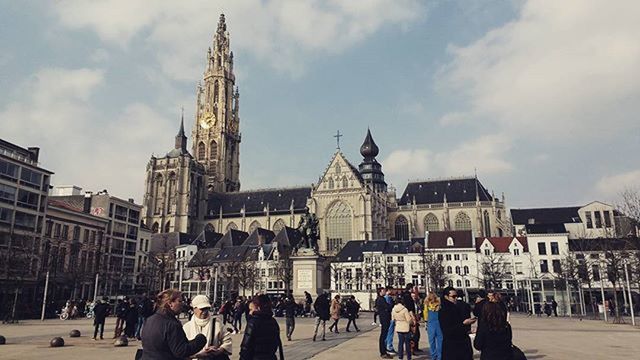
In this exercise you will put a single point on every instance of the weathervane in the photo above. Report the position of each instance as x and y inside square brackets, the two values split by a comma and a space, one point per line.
[338, 136]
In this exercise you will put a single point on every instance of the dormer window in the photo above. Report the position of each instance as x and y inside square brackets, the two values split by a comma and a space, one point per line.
[449, 241]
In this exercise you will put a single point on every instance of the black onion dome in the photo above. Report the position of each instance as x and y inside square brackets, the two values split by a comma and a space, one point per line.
[369, 148]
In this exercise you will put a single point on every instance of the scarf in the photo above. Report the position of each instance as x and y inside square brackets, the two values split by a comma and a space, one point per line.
[201, 322]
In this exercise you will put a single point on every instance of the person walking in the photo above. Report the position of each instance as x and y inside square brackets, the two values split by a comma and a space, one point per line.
[163, 336]
[238, 310]
[145, 309]
[262, 334]
[308, 301]
[494, 337]
[202, 322]
[100, 313]
[404, 320]
[384, 315]
[554, 305]
[353, 307]
[321, 307]
[290, 316]
[121, 317]
[336, 309]
[131, 320]
[456, 344]
[547, 308]
[434, 333]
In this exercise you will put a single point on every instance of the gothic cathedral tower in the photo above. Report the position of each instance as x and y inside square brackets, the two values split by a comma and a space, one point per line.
[216, 135]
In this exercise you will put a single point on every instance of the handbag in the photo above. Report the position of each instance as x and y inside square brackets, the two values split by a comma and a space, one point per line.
[518, 354]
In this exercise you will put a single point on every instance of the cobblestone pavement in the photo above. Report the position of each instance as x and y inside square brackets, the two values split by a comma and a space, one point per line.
[540, 338]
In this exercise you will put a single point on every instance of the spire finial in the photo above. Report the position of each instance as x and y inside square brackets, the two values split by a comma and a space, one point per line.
[338, 136]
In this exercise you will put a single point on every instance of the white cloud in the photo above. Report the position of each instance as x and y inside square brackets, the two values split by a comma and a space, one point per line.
[283, 33]
[611, 186]
[484, 154]
[564, 70]
[52, 109]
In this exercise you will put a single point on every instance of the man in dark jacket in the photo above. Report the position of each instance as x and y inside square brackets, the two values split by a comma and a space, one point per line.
[456, 344]
[100, 311]
[465, 312]
[352, 312]
[384, 313]
[121, 317]
[262, 334]
[290, 315]
[321, 307]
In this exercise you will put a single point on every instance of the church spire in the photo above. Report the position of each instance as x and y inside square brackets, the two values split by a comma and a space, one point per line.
[370, 168]
[369, 149]
[181, 138]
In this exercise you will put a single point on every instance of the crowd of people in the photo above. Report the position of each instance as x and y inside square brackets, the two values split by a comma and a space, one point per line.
[448, 324]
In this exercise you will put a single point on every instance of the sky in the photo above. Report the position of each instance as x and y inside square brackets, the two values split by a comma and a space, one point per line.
[540, 98]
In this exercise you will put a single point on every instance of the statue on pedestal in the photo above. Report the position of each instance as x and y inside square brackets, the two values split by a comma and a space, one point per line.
[308, 228]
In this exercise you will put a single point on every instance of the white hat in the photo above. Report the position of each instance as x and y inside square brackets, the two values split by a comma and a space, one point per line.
[200, 302]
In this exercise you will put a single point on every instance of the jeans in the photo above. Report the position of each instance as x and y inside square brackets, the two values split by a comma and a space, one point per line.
[390, 333]
[324, 327]
[404, 343]
[95, 331]
[119, 327]
[139, 326]
[291, 325]
[435, 340]
[352, 320]
[237, 322]
[384, 331]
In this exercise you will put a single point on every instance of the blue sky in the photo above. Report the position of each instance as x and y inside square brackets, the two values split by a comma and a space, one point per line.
[540, 97]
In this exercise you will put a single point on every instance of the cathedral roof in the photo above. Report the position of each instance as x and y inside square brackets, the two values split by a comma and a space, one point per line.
[207, 239]
[232, 238]
[288, 237]
[557, 215]
[255, 202]
[254, 237]
[351, 252]
[174, 153]
[434, 191]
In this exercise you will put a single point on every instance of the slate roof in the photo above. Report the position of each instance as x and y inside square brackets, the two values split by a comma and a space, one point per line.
[237, 254]
[351, 252]
[501, 244]
[232, 238]
[545, 228]
[207, 239]
[398, 247]
[288, 237]
[604, 244]
[254, 238]
[461, 239]
[204, 257]
[255, 201]
[558, 215]
[71, 202]
[433, 191]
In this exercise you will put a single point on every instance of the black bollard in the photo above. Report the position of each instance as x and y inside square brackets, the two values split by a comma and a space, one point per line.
[2, 340]
[74, 333]
[56, 342]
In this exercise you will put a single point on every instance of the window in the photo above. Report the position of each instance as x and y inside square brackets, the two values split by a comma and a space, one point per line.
[278, 225]
[556, 266]
[589, 221]
[389, 258]
[595, 270]
[467, 283]
[134, 216]
[85, 239]
[402, 228]
[456, 257]
[24, 220]
[449, 241]
[6, 215]
[56, 230]
[8, 170]
[431, 223]
[448, 257]
[31, 178]
[7, 194]
[554, 248]
[76, 233]
[459, 283]
[338, 225]
[516, 252]
[331, 184]
[345, 182]
[253, 226]
[48, 227]
[462, 221]
[542, 248]
[466, 270]
[607, 219]
[213, 152]
[518, 268]
[544, 266]
[487, 252]
[487, 224]
[201, 151]
[598, 219]
[27, 199]
[465, 257]
[449, 270]
[440, 257]
[400, 259]
[132, 232]
[458, 270]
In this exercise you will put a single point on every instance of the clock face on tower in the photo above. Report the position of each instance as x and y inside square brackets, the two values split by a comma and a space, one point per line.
[207, 120]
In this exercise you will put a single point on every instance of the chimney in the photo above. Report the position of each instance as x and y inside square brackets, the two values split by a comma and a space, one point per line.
[35, 152]
[87, 202]
[131, 201]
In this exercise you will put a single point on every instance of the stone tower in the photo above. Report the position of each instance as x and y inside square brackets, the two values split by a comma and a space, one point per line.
[174, 190]
[216, 134]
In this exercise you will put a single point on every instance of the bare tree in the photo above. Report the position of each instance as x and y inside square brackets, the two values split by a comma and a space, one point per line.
[629, 206]
[432, 268]
[284, 268]
[492, 270]
[247, 276]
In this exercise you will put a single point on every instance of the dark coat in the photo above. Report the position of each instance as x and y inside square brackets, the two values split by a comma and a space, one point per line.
[494, 345]
[100, 312]
[261, 337]
[383, 308]
[321, 306]
[465, 311]
[456, 344]
[164, 339]
[352, 309]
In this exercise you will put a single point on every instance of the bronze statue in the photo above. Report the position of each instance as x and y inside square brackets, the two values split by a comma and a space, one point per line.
[308, 228]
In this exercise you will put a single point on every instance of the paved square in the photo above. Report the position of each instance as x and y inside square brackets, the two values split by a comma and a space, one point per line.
[540, 338]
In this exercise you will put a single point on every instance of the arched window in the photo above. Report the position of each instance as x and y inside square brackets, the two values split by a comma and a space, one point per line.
[201, 151]
[216, 88]
[458, 270]
[345, 182]
[431, 223]
[338, 220]
[402, 228]
[232, 226]
[155, 227]
[209, 228]
[167, 226]
[213, 150]
[450, 241]
[337, 168]
[331, 184]
[450, 283]
[467, 283]
[466, 270]
[253, 226]
[158, 195]
[459, 283]
[462, 222]
[449, 270]
[171, 190]
[487, 224]
[499, 215]
[278, 225]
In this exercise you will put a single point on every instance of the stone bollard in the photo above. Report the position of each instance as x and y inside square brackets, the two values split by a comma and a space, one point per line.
[56, 342]
[74, 333]
[2, 340]
[121, 341]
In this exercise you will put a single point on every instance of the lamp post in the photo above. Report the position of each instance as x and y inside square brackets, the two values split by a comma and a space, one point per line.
[626, 275]
[604, 308]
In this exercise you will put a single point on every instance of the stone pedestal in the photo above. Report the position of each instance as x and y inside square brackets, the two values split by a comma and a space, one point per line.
[308, 274]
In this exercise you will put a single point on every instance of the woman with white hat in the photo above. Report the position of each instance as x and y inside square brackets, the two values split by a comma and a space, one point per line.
[203, 322]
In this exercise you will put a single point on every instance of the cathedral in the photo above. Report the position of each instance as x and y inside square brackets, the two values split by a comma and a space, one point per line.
[191, 191]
